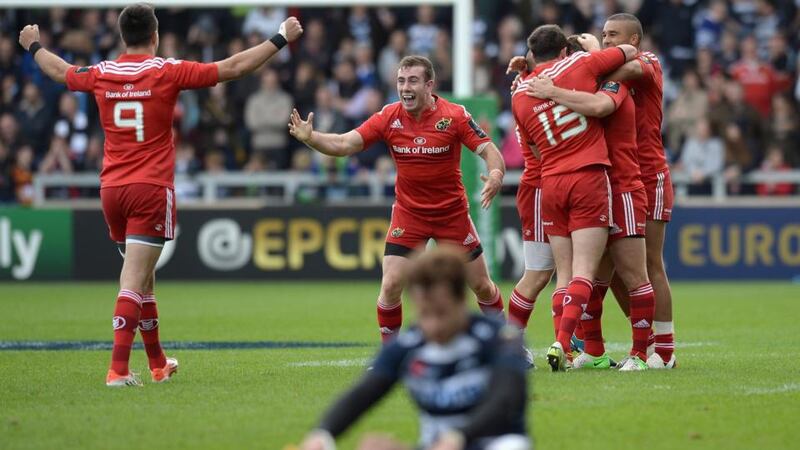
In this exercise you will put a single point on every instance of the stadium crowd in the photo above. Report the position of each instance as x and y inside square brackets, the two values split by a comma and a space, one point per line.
[732, 92]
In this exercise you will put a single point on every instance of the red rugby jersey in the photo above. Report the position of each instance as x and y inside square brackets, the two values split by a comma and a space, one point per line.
[427, 153]
[567, 141]
[648, 93]
[625, 175]
[136, 96]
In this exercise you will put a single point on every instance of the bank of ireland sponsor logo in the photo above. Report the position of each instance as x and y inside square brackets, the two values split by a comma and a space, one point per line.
[128, 87]
[420, 140]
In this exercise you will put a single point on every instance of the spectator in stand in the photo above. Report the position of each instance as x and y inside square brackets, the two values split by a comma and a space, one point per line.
[8, 97]
[22, 175]
[784, 129]
[186, 165]
[442, 58]
[9, 64]
[9, 131]
[733, 109]
[34, 117]
[782, 57]
[366, 72]
[673, 26]
[702, 157]
[263, 21]
[738, 158]
[389, 57]
[709, 25]
[266, 115]
[315, 47]
[93, 161]
[7, 194]
[728, 53]
[774, 163]
[359, 24]
[304, 86]
[759, 80]
[767, 23]
[57, 159]
[217, 113]
[422, 35]
[690, 106]
[72, 126]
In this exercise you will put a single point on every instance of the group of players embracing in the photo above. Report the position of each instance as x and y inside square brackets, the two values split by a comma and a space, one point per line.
[594, 201]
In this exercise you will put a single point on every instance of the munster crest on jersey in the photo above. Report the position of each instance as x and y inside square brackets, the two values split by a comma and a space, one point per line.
[81, 69]
[444, 123]
[397, 232]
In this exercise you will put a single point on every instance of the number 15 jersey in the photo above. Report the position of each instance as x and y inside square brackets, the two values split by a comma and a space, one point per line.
[136, 96]
[567, 141]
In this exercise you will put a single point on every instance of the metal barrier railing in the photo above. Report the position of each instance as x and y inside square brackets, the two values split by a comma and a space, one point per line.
[283, 187]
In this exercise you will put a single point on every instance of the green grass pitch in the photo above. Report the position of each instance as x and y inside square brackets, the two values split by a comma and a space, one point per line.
[737, 387]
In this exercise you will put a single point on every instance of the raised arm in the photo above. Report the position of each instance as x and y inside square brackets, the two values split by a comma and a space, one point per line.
[247, 61]
[586, 103]
[50, 63]
[326, 143]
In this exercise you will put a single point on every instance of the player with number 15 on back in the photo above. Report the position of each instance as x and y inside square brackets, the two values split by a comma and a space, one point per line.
[136, 96]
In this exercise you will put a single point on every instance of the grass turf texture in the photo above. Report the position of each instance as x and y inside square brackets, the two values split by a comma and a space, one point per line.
[737, 386]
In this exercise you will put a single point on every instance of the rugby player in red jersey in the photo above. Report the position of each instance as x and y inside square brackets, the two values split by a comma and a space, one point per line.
[576, 209]
[627, 253]
[136, 96]
[424, 133]
[645, 78]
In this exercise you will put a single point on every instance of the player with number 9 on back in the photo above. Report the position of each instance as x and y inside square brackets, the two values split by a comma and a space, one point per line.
[136, 97]
[575, 188]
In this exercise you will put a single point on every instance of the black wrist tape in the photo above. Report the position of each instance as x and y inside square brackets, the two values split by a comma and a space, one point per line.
[279, 40]
[35, 47]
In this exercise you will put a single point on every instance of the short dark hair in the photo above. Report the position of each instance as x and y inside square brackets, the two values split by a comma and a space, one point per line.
[421, 61]
[137, 23]
[632, 21]
[546, 42]
[440, 266]
[573, 44]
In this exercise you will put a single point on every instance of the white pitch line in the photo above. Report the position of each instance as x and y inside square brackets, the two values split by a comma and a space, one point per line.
[788, 387]
[359, 362]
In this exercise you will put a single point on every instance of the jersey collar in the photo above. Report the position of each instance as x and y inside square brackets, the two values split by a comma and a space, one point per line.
[125, 57]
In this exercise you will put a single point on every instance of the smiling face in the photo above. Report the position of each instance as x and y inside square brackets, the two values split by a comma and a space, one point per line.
[413, 88]
[618, 32]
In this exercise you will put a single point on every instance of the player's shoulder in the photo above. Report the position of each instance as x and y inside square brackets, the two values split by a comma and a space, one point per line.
[121, 67]
[390, 109]
[649, 58]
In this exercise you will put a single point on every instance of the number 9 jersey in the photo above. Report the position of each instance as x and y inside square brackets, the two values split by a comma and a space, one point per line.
[136, 96]
[567, 141]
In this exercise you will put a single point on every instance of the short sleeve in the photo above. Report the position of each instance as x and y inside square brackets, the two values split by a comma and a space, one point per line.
[80, 78]
[649, 72]
[193, 75]
[616, 91]
[605, 61]
[470, 133]
[372, 129]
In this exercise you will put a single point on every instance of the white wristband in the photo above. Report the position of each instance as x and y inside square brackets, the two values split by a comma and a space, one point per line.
[282, 30]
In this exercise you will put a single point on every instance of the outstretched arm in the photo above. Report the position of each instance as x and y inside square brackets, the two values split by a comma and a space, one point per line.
[247, 61]
[588, 104]
[631, 70]
[50, 63]
[326, 143]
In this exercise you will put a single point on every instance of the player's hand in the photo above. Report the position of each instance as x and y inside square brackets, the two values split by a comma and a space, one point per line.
[299, 128]
[541, 87]
[28, 36]
[375, 441]
[318, 440]
[449, 441]
[517, 64]
[291, 29]
[491, 187]
[589, 42]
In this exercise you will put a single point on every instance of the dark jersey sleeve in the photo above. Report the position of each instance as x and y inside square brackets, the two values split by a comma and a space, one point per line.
[368, 391]
[506, 398]
[470, 133]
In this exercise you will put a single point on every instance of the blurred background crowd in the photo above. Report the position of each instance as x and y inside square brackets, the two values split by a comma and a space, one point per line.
[731, 84]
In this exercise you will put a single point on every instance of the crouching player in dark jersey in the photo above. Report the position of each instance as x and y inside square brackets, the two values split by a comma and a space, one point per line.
[465, 372]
